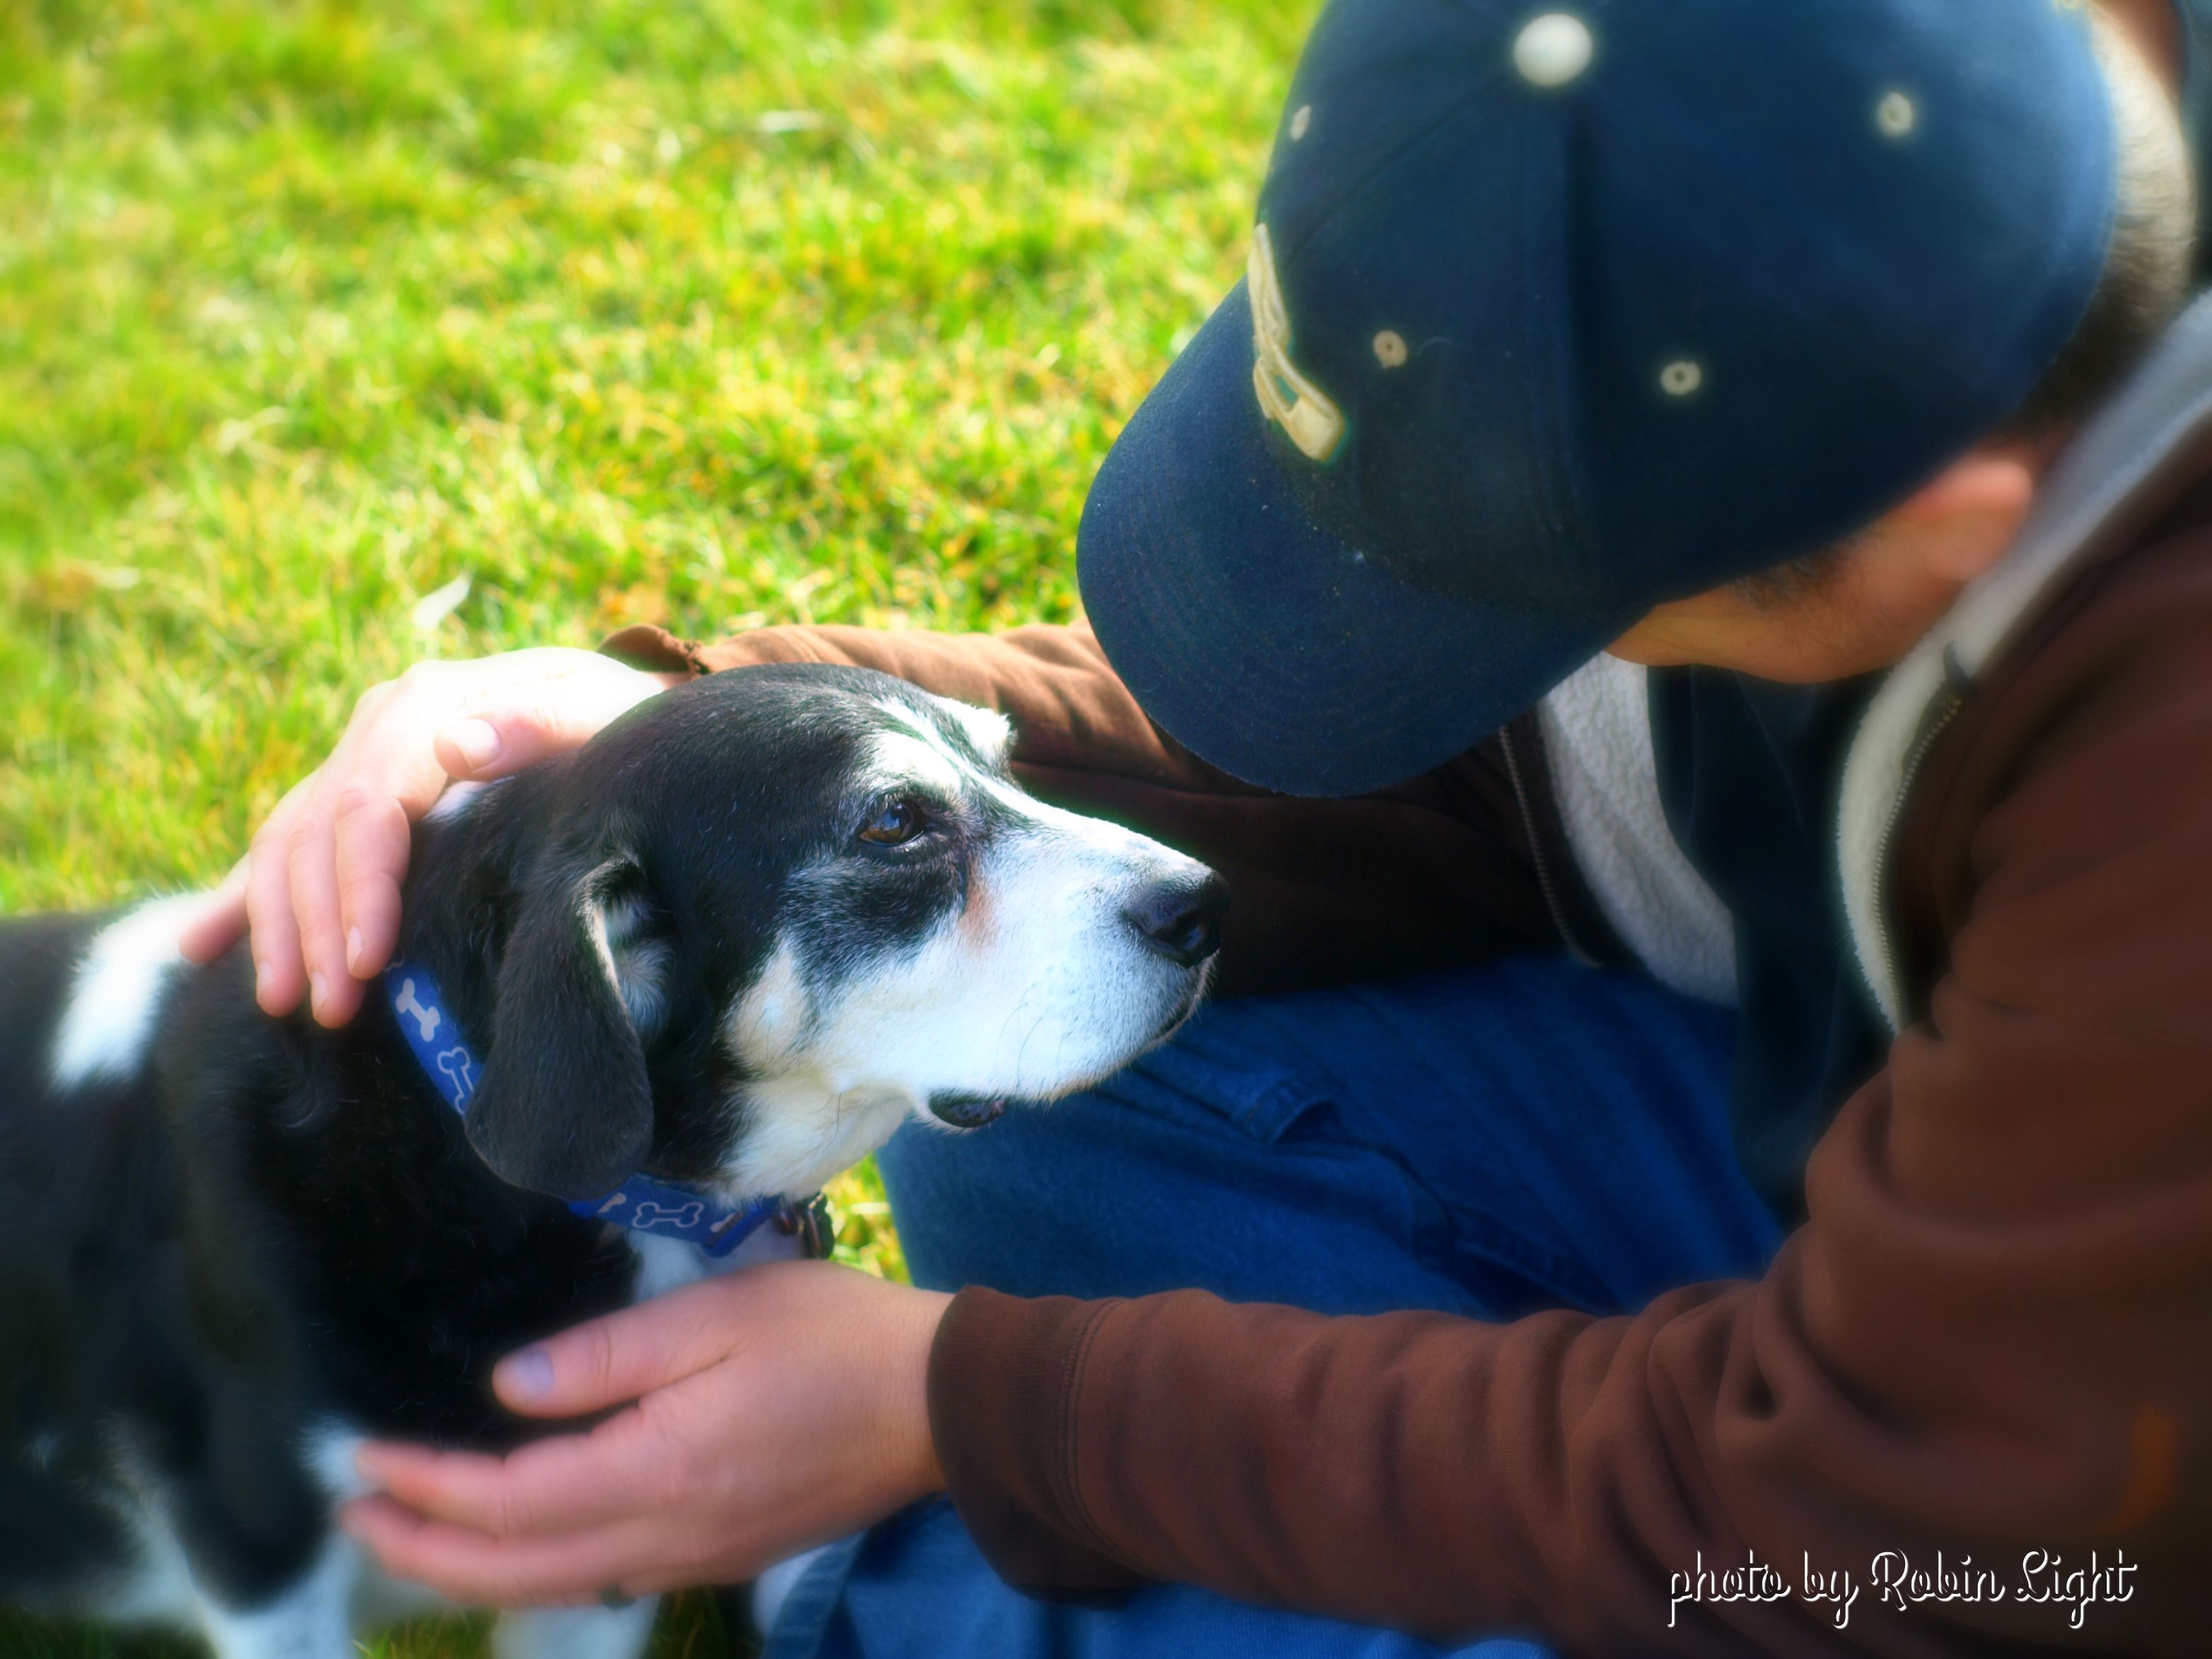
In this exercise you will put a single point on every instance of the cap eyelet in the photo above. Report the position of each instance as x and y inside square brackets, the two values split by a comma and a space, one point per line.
[1681, 377]
[1390, 348]
[1895, 116]
[1301, 120]
[1554, 49]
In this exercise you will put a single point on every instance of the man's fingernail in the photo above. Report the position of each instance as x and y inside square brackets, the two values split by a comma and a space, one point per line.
[260, 979]
[352, 948]
[478, 743]
[529, 1374]
[319, 987]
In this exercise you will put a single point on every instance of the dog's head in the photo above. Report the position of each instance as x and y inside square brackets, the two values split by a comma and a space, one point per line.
[762, 918]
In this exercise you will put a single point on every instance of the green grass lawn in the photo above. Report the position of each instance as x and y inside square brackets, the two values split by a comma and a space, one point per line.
[704, 313]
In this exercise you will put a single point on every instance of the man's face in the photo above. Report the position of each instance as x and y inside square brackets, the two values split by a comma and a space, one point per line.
[1862, 604]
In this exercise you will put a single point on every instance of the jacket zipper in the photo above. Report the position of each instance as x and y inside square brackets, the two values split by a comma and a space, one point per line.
[1956, 685]
[1544, 882]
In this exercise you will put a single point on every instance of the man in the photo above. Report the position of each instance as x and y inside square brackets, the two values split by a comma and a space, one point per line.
[1660, 451]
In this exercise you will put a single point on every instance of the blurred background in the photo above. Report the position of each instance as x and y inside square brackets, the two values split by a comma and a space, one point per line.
[333, 336]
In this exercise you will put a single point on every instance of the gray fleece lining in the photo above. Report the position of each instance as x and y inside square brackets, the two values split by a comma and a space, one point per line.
[2113, 470]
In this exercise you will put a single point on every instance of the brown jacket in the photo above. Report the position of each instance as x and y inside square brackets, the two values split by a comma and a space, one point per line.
[1991, 1339]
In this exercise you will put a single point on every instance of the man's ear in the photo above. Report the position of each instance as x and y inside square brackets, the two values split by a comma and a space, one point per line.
[1962, 521]
[565, 1107]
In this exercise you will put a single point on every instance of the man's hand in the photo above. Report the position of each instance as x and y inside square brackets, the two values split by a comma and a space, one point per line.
[321, 888]
[774, 1409]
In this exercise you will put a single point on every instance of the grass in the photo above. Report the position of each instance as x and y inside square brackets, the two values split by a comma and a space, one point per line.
[711, 313]
[690, 1627]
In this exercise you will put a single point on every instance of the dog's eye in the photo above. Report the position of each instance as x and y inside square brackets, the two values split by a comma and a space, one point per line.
[895, 825]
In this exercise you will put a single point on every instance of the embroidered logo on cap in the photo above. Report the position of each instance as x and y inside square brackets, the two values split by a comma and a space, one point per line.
[1287, 397]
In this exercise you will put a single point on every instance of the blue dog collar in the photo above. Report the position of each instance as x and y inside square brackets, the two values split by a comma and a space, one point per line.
[640, 1204]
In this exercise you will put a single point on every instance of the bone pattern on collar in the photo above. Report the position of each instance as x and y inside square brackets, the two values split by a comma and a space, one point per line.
[638, 1204]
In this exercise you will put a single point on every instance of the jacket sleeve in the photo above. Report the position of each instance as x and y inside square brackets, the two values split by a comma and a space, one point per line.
[1436, 871]
[1988, 1350]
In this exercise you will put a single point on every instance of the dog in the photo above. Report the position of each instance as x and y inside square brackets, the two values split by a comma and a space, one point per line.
[675, 981]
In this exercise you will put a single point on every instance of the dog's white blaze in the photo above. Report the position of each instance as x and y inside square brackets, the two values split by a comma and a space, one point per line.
[985, 724]
[118, 992]
[905, 760]
[991, 732]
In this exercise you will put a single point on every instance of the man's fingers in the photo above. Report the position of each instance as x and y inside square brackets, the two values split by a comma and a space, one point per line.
[476, 749]
[388, 777]
[565, 1483]
[793, 1435]
[372, 837]
[221, 923]
[613, 1360]
[474, 1568]
[494, 742]
[322, 897]
[333, 994]
[497, 738]
[279, 977]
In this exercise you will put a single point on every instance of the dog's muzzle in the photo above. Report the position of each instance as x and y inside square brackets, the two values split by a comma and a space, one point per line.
[966, 1111]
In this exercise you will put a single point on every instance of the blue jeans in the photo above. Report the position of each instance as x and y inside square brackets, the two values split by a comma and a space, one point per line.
[1528, 1135]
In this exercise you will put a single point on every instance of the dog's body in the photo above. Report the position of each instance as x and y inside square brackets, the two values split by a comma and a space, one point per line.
[730, 943]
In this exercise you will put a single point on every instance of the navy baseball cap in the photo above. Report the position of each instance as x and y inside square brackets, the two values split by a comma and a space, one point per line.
[1553, 313]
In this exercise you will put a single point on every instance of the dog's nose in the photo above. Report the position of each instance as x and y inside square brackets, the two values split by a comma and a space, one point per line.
[1179, 918]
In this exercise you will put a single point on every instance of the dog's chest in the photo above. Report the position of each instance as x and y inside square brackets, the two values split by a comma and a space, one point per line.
[669, 1264]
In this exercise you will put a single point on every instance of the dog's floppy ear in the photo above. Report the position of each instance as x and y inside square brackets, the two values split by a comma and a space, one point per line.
[565, 1107]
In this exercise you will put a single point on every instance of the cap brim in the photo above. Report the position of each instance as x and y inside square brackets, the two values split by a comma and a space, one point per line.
[1260, 641]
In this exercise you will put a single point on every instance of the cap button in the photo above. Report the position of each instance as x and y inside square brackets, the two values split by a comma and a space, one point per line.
[1554, 49]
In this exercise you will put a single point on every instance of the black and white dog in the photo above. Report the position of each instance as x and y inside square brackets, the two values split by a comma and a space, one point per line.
[710, 959]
